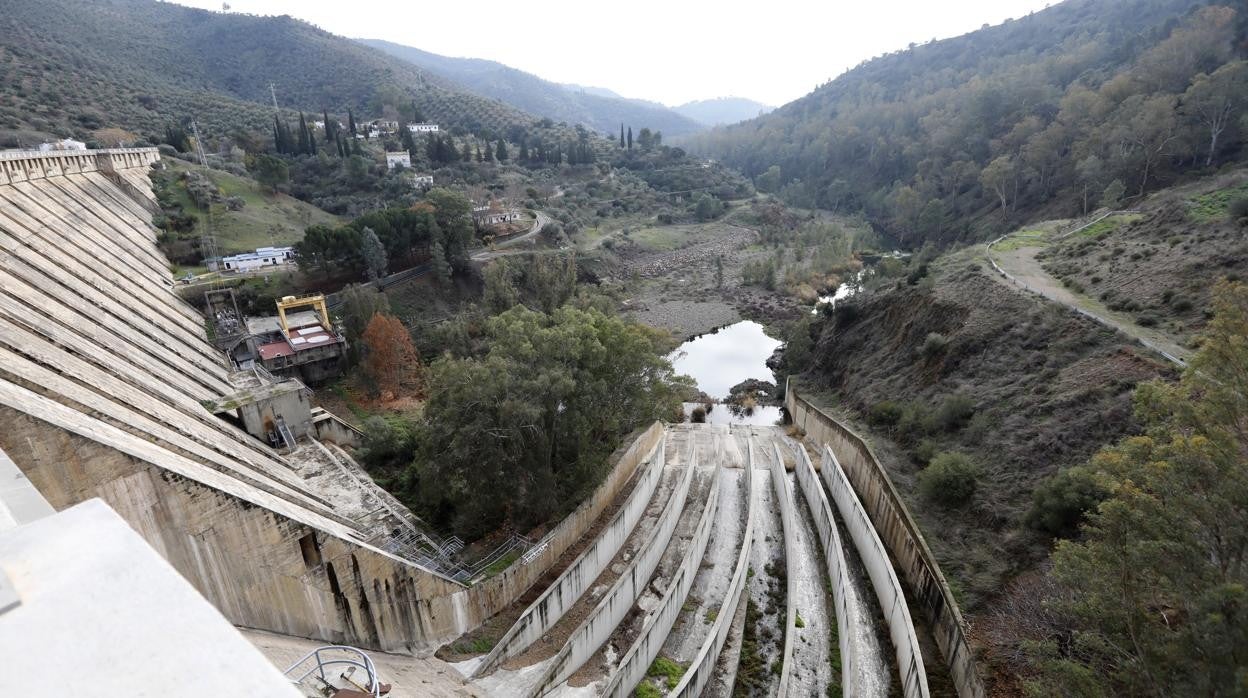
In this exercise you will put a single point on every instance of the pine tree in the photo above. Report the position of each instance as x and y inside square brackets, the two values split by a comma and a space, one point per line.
[480, 155]
[501, 151]
[489, 152]
[621, 134]
[524, 151]
[630, 137]
[466, 155]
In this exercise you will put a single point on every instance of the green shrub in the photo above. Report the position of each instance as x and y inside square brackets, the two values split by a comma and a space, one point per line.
[934, 344]
[1237, 211]
[954, 412]
[884, 414]
[698, 415]
[950, 479]
[1059, 504]
[671, 671]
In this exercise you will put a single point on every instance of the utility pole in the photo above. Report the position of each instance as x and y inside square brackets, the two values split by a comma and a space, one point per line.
[199, 144]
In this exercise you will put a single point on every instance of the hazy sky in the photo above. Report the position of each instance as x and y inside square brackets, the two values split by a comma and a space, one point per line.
[773, 51]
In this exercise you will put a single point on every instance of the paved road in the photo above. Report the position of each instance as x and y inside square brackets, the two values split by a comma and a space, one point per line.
[1027, 273]
[499, 249]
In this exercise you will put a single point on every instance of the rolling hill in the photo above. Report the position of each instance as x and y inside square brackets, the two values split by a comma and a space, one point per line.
[601, 110]
[70, 67]
[722, 111]
[1086, 102]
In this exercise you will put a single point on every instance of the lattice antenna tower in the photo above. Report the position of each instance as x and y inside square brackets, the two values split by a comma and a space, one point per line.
[273, 94]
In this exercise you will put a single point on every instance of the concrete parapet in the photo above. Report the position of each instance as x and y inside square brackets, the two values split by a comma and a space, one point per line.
[487, 598]
[699, 673]
[637, 659]
[788, 522]
[883, 578]
[619, 599]
[560, 596]
[847, 619]
[25, 165]
[897, 528]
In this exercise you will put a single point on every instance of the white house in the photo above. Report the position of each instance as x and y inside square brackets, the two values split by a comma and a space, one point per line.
[63, 144]
[422, 128]
[401, 157]
[262, 257]
[425, 180]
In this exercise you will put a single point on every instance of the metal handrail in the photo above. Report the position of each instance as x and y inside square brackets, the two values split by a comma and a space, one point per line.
[364, 662]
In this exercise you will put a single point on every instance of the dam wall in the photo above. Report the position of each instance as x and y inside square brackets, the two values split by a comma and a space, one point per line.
[899, 532]
[103, 374]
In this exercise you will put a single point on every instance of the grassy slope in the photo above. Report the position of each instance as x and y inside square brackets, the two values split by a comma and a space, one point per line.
[1160, 267]
[266, 219]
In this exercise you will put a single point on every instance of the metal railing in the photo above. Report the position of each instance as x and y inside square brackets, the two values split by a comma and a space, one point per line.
[348, 656]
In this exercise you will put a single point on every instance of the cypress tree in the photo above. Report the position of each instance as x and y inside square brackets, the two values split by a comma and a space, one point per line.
[351, 122]
[501, 151]
[630, 137]
[303, 134]
[489, 152]
[524, 151]
[621, 134]
[480, 155]
[466, 155]
[329, 129]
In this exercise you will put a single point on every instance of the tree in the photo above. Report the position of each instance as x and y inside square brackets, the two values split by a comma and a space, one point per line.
[1090, 172]
[1155, 593]
[719, 271]
[500, 152]
[1112, 196]
[351, 122]
[621, 134]
[374, 254]
[541, 411]
[1001, 177]
[1213, 101]
[630, 137]
[391, 361]
[270, 171]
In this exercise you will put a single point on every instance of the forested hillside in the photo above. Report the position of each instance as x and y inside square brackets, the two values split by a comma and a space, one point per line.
[537, 96]
[1086, 103]
[70, 67]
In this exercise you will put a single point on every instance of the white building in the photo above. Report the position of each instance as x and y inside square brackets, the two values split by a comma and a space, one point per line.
[401, 157]
[494, 214]
[63, 144]
[262, 257]
[422, 128]
[425, 180]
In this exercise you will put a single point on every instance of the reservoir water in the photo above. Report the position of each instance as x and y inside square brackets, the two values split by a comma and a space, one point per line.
[721, 359]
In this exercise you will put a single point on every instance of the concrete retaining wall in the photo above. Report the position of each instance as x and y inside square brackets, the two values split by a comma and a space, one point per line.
[654, 631]
[699, 673]
[900, 533]
[883, 578]
[847, 619]
[560, 596]
[619, 600]
[788, 522]
[496, 593]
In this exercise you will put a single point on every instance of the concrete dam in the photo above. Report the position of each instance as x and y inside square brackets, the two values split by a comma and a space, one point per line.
[780, 556]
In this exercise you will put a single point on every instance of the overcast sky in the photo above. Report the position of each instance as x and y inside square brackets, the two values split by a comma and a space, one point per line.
[673, 51]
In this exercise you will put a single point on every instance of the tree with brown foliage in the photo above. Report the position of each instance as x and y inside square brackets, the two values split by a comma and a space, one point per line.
[392, 361]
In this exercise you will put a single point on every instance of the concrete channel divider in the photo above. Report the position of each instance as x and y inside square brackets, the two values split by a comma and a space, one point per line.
[788, 522]
[654, 631]
[914, 559]
[619, 600]
[847, 619]
[699, 673]
[883, 577]
[560, 596]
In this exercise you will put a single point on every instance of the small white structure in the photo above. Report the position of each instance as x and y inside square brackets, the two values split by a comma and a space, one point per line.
[494, 214]
[400, 157]
[425, 180]
[262, 257]
[422, 128]
[63, 144]
[319, 124]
